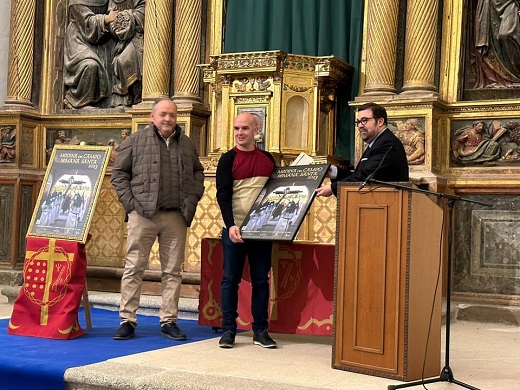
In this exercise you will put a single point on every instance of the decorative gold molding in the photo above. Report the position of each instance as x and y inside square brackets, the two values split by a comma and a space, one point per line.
[216, 19]
[296, 88]
[257, 99]
[265, 61]
[450, 62]
[333, 68]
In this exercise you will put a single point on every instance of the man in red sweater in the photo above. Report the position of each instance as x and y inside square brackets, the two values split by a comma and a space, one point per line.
[241, 174]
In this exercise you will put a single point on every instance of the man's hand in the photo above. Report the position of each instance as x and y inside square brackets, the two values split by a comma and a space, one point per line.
[324, 191]
[234, 234]
[110, 17]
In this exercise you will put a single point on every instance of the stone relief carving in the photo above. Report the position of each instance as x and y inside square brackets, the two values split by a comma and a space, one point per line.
[241, 85]
[7, 144]
[489, 143]
[263, 83]
[103, 53]
[411, 134]
[258, 83]
[97, 137]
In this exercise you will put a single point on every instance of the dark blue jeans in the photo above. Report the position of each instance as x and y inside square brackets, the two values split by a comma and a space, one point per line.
[259, 257]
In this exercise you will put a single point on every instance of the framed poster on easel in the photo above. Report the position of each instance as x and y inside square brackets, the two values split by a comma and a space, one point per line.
[282, 204]
[69, 192]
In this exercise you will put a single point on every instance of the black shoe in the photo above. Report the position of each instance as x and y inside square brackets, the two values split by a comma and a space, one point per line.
[264, 340]
[172, 331]
[126, 331]
[227, 340]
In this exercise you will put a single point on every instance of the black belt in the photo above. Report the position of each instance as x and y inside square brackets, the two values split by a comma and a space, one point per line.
[169, 209]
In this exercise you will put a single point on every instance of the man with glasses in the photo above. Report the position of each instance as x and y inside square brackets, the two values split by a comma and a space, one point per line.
[384, 156]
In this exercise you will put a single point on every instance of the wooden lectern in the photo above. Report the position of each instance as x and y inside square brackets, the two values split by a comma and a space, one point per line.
[387, 283]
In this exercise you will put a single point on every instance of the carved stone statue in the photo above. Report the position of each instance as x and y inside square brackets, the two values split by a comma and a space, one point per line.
[412, 137]
[127, 63]
[497, 41]
[103, 53]
[124, 133]
[113, 152]
[7, 144]
[115, 145]
[61, 139]
[88, 53]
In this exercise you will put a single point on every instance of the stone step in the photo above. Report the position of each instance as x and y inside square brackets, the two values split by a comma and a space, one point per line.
[149, 305]
[508, 314]
[11, 277]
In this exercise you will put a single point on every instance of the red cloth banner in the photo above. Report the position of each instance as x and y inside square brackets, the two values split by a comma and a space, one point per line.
[302, 289]
[48, 302]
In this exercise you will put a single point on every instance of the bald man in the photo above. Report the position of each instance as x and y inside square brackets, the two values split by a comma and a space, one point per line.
[241, 174]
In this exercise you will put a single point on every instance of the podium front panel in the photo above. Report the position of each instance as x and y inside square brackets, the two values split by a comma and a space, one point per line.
[374, 277]
[370, 264]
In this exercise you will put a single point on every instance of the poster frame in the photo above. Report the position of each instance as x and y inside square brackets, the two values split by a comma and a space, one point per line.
[290, 183]
[85, 167]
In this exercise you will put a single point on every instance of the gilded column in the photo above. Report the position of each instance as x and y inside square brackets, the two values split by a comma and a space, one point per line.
[420, 45]
[157, 53]
[21, 49]
[187, 49]
[380, 48]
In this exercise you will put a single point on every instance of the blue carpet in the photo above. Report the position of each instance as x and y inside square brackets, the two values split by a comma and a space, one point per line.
[37, 363]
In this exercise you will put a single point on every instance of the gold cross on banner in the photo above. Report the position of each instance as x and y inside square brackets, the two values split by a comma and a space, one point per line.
[51, 256]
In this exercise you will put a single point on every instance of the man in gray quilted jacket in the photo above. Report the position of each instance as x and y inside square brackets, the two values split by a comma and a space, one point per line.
[159, 180]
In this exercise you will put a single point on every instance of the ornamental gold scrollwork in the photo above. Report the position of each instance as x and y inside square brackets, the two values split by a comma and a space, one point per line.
[226, 80]
[252, 83]
[241, 100]
[296, 88]
[300, 63]
[209, 163]
[245, 63]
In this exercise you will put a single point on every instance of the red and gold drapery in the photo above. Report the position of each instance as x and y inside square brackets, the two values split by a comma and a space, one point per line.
[302, 289]
[49, 299]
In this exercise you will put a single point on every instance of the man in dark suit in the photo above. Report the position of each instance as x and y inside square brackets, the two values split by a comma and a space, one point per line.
[384, 156]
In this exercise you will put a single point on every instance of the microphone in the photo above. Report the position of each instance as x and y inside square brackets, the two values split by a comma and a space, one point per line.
[370, 177]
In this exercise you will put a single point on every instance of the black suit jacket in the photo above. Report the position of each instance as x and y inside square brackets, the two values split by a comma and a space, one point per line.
[394, 166]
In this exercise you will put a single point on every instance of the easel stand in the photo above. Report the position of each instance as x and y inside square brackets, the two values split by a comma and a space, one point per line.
[86, 306]
[446, 372]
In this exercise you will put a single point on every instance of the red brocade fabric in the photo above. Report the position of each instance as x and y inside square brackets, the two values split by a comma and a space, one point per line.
[49, 299]
[302, 289]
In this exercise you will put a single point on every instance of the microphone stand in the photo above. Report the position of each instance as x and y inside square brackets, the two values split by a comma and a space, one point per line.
[446, 373]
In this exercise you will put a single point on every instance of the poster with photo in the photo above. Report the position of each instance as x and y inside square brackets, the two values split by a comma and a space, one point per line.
[282, 204]
[69, 192]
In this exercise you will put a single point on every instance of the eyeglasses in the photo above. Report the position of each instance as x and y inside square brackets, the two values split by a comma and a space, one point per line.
[363, 121]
